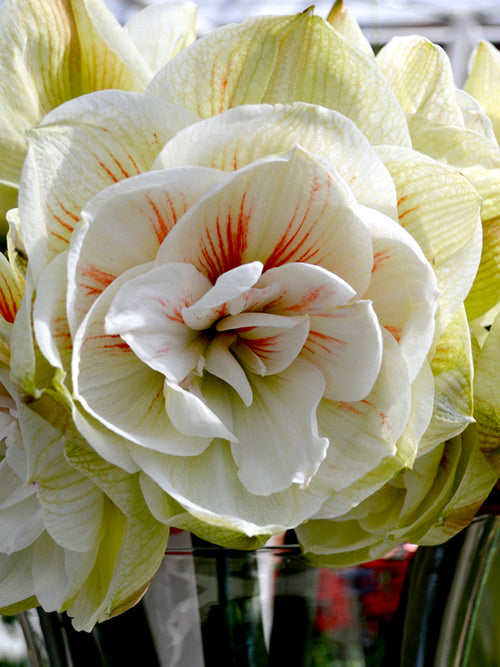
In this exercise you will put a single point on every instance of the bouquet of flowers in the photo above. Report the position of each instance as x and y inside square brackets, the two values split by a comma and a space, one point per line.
[250, 285]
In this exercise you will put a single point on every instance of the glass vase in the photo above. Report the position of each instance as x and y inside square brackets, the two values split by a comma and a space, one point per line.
[209, 606]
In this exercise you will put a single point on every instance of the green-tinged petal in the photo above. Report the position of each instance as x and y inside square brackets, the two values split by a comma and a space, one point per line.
[132, 548]
[283, 59]
[11, 293]
[483, 82]
[29, 369]
[487, 396]
[473, 488]
[50, 52]
[71, 505]
[474, 116]
[452, 369]
[242, 135]
[160, 31]
[478, 159]
[420, 75]
[8, 200]
[168, 511]
[343, 21]
[219, 499]
[440, 209]
[78, 150]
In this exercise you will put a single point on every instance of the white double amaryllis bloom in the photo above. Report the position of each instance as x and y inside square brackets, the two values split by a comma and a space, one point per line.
[54, 51]
[249, 289]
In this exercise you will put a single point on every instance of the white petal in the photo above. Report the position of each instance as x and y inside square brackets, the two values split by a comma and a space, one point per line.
[345, 344]
[364, 433]
[276, 340]
[80, 148]
[305, 289]
[108, 378]
[403, 289]
[132, 217]
[191, 415]
[219, 498]
[276, 211]
[228, 295]
[147, 312]
[278, 442]
[239, 136]
[221, 362]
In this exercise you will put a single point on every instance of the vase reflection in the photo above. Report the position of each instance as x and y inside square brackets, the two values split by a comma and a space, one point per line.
[211, 606]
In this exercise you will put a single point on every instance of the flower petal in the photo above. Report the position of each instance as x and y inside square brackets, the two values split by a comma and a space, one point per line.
[440, 209]
[220, 499]
[405, 300]
[278, 442]
[364, 433]
[421, 76]
[161, 31]
[276, 211]
[107, 377]
[229, 295]
[484, 82]
[50, 53]
[274, 341]
[79, 149]
[242, 135]
[262, 60]
[147, 314]
[132, 217]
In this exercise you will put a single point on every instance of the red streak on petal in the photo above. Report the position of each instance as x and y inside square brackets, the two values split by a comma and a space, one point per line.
[69, 226]
[409, 210]
[329, 342]
[159, 225]
[108, 171]
[100, 279]
[58, 236]
[263, 347]
[134, 163]
[119, 345]
[75, 217]
[312, 295]
[227, 251]
[349, 407]
[397, 332]
[287, 248]
[379, 259]
[170, 311]
[383, 417]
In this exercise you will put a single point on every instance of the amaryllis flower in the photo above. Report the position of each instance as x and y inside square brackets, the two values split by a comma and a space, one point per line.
[53, 51]
[245, 284]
